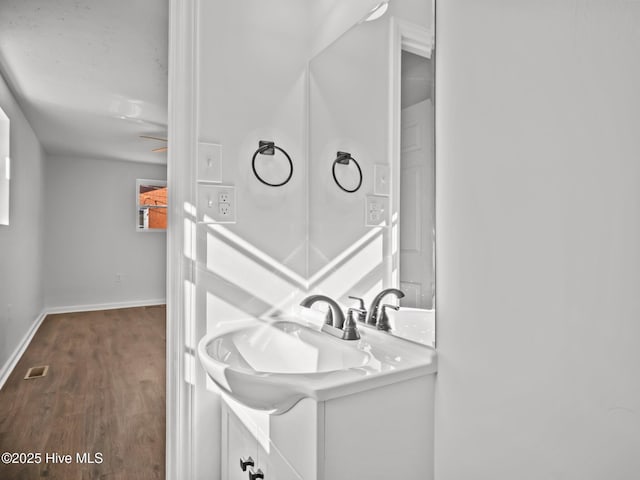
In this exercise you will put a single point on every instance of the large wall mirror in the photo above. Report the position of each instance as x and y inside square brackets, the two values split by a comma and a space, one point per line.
[371, 94]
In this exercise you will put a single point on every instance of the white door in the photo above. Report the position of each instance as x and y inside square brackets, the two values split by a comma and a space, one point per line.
[417, 202]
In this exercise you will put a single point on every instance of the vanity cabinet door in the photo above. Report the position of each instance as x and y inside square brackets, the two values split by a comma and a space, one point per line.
[274, 465]
[239, 443]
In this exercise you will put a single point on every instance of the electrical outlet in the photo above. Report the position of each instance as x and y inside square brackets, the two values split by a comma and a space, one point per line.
[224, 209]
[216, 203]
[376, 211]
[209, 162]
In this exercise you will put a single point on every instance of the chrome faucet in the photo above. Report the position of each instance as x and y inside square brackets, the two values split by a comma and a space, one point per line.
[334, 316]
[372, 314]
[334, 323]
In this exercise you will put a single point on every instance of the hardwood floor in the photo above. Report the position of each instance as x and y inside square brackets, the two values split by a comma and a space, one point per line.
[104, 394]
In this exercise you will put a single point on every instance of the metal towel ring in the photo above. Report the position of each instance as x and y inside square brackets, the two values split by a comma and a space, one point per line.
[343, 159]
[269, 148]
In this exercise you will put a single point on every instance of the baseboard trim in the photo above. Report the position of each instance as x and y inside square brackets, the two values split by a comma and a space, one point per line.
[11, 363]
[106, 306]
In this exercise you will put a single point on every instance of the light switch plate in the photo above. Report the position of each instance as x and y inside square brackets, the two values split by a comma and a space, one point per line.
[211, 206]
[382, 179]
[376, 211]
[209, 162]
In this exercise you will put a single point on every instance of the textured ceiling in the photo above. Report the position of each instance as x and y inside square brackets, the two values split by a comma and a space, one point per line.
[90, 75]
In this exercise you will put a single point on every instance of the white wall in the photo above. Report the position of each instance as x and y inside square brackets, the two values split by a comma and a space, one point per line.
[91, 237]
[252, 87]
[538, 240]
[331, 18]
[21, 286]
[252, 60]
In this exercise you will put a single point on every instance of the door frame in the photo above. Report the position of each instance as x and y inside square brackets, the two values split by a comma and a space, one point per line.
[182, 121]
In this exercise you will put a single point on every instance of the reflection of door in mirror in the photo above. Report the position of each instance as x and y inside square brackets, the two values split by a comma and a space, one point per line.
[417, 186]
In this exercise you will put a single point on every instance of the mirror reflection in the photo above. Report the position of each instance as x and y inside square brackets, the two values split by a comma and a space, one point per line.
[417, 185]
[380, 111]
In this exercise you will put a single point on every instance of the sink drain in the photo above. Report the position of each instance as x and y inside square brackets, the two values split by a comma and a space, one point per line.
[36, 372]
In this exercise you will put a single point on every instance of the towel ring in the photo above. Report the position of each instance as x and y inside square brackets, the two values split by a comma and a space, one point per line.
[269, 148]
[344, 158]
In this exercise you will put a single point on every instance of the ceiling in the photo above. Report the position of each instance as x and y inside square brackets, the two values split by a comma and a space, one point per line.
[90, 75]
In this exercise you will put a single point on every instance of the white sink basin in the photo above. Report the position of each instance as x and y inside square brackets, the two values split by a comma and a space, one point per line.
[283, 347]
[271, 365]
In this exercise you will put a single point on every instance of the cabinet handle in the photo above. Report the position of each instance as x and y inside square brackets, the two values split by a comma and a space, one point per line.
[245, 462]
[255, 474]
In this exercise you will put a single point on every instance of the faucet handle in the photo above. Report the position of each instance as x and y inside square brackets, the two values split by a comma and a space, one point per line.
[383, 319]
[359, 299]
[362, 311]
[350, 329]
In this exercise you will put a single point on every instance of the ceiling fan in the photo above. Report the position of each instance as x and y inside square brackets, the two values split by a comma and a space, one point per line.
[159, 149]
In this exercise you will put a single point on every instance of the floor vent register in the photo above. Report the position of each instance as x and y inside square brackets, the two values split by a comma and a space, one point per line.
[36, 372]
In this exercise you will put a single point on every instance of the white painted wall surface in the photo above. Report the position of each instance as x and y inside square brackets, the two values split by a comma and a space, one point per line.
[91, 237]
[538, 240]
[21, 285]
[331, 18]
[252, 87]
[251, 60]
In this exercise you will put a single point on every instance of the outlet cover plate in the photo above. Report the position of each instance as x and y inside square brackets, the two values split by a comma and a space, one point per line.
[209, 162]
[376, 212]
[209, 206]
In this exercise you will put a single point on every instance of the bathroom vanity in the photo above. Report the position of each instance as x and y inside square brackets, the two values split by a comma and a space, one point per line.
[301, 404]
[383, 433]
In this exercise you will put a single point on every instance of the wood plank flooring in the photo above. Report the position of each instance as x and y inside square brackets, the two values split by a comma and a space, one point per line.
[104, 393]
